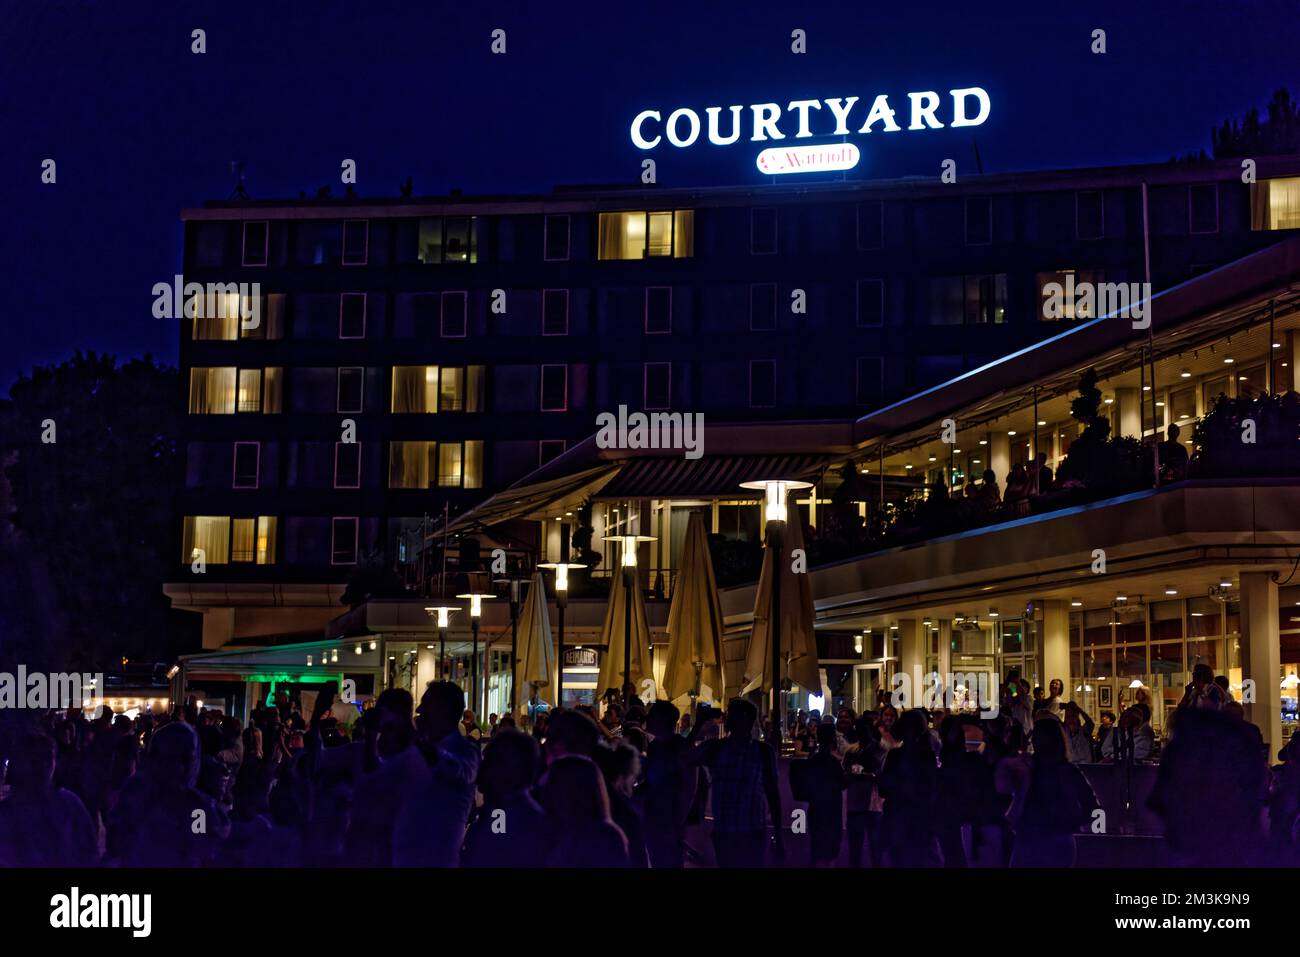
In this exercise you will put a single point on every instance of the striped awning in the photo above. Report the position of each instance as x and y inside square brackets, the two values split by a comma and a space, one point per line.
[706, 477]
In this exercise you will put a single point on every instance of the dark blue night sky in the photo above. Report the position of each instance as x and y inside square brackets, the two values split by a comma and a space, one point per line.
[140, 127]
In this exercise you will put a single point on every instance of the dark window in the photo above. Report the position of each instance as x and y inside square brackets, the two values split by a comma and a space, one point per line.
[247, 456]
[871, 224]
[557, 238]
[255, 243]
[343, 535]
[1203, 208]
[548, 449]
[454, 315]
[762, 383]
[762, 307]
[986, 299]
[871, 302]
[762, 230]
[868, 380]
[356, 241]
[659, 309]
[979, 220]
[658, 385]
[555, 388]
[555, 312]
[350, 389]
[352, 315]
[1089, 214]
[347, 464]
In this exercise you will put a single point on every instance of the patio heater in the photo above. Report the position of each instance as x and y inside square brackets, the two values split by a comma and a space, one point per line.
[629, 543]
[444, 615]
[515, 591]
[775, 492]
[561, 569]
[475, 614]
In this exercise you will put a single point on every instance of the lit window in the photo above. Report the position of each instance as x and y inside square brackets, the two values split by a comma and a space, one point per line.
[429, 389]
[219, 539]
[448, 239]
[425, 464]
[250, 390]
[212, 390]
[1275, 203]
[647, 234]
[1068, 279]
[449, 462]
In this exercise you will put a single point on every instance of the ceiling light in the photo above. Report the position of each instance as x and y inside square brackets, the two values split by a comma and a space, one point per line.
[993, 613]
[1170, 590]
[984, 441]
[1012, 432]
[1076, 603]
[1186, 374]
[1229, 361]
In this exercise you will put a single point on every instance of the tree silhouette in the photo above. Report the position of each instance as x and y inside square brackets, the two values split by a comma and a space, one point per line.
[1278, 133]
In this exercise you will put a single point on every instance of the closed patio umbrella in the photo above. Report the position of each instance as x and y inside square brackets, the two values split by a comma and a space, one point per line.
[535, 664]
[611, 633]
[695, 622]
[798, 640]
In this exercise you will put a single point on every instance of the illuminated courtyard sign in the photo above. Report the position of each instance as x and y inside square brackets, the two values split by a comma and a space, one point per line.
[806, 119]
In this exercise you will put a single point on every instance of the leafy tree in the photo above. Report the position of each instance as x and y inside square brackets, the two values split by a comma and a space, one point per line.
[1275, 134]
[92, 510]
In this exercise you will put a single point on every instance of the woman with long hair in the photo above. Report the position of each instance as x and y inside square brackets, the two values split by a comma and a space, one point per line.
[1055, 803]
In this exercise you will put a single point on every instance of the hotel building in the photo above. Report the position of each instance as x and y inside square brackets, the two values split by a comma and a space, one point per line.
[466, 346]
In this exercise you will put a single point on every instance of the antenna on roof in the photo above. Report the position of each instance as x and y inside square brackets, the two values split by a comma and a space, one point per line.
[979, 163]
[237, 171]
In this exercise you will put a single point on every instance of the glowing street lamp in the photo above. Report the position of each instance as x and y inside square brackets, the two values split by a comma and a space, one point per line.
[561, 569]
[629, 543]
[444, 617]
[775, 493]
[475, 613]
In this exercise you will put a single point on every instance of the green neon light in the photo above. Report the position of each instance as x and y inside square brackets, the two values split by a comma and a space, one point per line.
[313, 679]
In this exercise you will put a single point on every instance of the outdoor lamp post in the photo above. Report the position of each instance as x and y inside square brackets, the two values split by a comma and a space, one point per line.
[561, 570]
[629, 543]
[444, 615]
[475, 613]
[775, 492]
[514, 584]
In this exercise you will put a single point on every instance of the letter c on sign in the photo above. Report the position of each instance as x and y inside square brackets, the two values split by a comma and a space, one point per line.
[640, 141]
[693, 120]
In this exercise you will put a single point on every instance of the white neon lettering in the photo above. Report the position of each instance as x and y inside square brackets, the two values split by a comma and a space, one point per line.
[638, 140]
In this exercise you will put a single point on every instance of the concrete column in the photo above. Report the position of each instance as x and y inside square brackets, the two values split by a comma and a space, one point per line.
[1000, 457]
[1056, 645]
[1262, 656]
[911, 658]
[1130, 421]
[945, 654]
[218, 627]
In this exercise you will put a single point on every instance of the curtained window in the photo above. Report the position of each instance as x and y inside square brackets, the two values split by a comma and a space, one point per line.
[410, 464]
[642, 234]
[212, 390]
[1275, 204]
[415, 389]
[209, 534]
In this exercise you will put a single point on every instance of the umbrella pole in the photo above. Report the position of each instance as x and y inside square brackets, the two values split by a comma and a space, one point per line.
[774, 542]
[514, 639]
[473, 670]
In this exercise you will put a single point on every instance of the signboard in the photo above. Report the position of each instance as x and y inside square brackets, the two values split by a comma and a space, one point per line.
[580, 657]
[807, 119]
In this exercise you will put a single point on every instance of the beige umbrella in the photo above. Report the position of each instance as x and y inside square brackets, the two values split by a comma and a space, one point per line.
[798, 640]
[695, 622]
[535, 664]
[611, 633]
